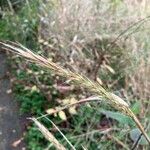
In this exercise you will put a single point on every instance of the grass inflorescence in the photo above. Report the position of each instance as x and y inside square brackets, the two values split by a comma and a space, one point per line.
[78, 79]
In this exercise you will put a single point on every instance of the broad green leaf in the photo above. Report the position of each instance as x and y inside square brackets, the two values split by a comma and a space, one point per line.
[118, 117]
[135, 133]
[136, 107]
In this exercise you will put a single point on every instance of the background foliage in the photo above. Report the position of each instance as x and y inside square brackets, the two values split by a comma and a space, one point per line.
[82, 36]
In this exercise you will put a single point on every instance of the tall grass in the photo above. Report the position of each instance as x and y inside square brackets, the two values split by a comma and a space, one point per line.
[94, 38]
[77, 79]
[70, 28]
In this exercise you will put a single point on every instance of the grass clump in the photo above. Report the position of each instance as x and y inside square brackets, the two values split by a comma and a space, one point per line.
[106, 52]
[78, 79]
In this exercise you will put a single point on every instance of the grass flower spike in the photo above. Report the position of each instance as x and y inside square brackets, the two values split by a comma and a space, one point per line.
[77, 79]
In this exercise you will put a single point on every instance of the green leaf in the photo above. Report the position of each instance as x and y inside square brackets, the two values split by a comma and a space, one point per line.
[136, 107]
[135, 133]
[118, 117]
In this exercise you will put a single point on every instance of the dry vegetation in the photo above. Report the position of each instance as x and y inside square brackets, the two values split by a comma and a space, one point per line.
[102, 45]
[84, 34]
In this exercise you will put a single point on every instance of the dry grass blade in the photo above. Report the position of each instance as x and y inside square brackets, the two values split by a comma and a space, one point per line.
[70, 105]
[48, 135]
[72, 147]
[78, 80]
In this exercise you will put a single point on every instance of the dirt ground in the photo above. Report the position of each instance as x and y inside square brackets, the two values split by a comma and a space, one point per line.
[10, 120]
